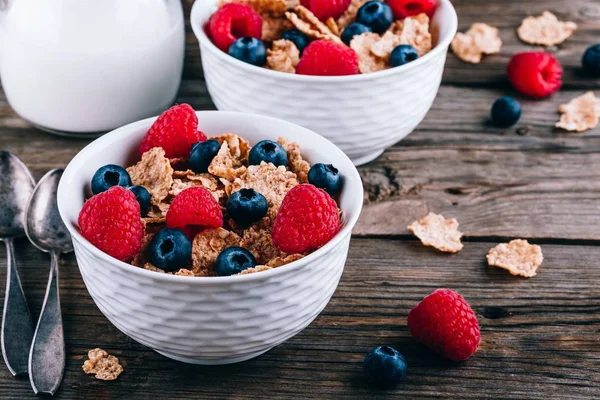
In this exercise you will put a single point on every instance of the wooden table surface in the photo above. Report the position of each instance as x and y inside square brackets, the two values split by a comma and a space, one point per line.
[540, 337]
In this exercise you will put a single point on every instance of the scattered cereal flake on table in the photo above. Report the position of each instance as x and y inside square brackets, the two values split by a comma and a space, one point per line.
[436, 231]
[270, 181]
[258, 268]
[517, 257]
[279, 261]
[580, 114]
[154, 172]
[350, 14]
[258, 240]
[306, 22]
[206, 247]
[333, 26]
[367, 61]
[225, 165]
[105, 366]
[545, 30]
[296, 163]
[480, 39]
[273, 28]
[415, 32]
[283, 56]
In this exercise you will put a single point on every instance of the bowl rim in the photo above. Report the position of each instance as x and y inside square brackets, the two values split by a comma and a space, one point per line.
[207, 44]
[112, 136]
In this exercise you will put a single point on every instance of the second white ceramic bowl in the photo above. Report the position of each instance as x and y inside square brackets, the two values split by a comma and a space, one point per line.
[362, 114]
[215, 320]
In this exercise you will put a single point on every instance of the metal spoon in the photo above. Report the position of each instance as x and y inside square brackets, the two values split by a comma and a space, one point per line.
[46, 230]
[16, 185]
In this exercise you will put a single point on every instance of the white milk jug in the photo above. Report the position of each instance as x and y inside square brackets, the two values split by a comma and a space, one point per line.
[84, 67]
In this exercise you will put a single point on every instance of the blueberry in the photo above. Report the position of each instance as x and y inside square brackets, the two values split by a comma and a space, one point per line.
[170, 250]
[247, 206]
[143, 198]
[109, 176]
[376, 15]
[202, 154]
[403, 54]
[326, 177]
[506, 111]
[385, 367]
[234, 260]
[352, 30]
[249, 50]
[299, 38]
[591, 60]
[268, 151]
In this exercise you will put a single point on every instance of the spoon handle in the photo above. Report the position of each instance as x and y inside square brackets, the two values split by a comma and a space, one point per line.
[47, 354]
[17, 328]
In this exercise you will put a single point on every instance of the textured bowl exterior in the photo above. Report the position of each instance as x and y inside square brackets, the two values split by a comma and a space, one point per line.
[215, 323]
[210, 320]
[362, 115]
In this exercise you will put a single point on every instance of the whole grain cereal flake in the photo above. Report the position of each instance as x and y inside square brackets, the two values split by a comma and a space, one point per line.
[545, 30]
[155, 173]
[480, 39]
[367, 61]
[283, 56]
[207, 246]
[258, 268]
[517, 257]
[306, 22]
[103, 365]
[436, 231]
[580, 114]
[350, 14]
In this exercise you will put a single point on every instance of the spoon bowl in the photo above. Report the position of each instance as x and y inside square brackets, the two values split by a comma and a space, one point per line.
[16, 185]
[44, 227]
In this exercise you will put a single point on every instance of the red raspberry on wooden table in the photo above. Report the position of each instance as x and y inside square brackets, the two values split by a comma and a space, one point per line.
[536, 73]
[325, 9]
[408, 8]
[175, 130]
[307, 219]
[112, 222]
[326, 58]
[446, 323]
[193, 209]
[233, 21]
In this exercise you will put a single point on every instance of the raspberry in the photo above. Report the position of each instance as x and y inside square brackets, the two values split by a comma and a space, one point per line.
[326, 58]
[112, 222]
[445, 322]
[307, 219]
[192, 209]
[233, 21]
[408, 8]
[324, 9]
[175, 130]
[536, 74]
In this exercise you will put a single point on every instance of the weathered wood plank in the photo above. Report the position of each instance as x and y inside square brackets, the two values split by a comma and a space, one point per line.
[539, 336]
[506, 15]
[528, 181]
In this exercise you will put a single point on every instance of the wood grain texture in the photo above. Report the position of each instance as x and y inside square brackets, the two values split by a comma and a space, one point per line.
[539, 336]
[505, 15]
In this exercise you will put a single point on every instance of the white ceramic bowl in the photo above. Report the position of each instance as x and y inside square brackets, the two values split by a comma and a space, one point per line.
[362, 114]
[216, 320]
